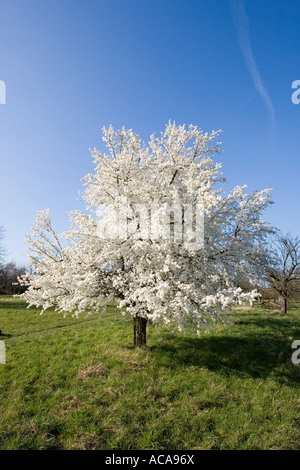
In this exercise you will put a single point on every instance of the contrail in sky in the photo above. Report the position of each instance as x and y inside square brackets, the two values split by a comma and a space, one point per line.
[242, 28]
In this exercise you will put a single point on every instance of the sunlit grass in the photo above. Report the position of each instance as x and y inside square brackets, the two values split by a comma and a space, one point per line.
[79, 384]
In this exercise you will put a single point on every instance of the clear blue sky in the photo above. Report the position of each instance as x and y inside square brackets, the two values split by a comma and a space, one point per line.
[72, 66]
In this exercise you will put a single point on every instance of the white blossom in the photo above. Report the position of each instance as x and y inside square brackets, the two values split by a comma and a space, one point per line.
[162, 280]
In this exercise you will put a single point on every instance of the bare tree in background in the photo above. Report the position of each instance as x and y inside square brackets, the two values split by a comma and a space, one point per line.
[2, 248]
[284, 274]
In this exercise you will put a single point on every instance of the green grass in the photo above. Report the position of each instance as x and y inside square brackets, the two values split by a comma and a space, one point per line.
[79, 384]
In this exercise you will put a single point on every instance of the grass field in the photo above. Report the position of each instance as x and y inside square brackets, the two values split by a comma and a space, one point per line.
[79, 384]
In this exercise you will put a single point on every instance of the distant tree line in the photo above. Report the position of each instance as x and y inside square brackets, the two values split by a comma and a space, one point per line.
[9, 274]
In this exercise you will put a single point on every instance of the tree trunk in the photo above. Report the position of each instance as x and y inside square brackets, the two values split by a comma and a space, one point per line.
[283, 305]
[139, 332]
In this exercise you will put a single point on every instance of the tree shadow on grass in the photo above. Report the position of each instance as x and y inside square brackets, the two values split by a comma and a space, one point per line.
[13, 305]
[273, 324]
[256, 357]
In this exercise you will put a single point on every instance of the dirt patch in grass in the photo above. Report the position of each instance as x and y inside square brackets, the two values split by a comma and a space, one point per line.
[92, 371]
[87, 442]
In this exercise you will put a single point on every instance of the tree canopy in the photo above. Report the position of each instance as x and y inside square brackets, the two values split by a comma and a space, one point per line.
[122, 250]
